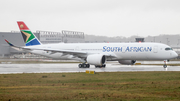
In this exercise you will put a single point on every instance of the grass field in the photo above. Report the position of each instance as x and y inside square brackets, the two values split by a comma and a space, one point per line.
[120, 86]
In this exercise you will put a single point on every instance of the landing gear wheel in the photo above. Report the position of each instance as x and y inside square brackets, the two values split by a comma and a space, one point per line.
[104, 65]
[80, 65]
[87, 65]
[165, 66]
[83, 65]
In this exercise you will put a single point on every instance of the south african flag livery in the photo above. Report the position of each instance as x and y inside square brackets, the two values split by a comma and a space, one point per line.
[29, 38]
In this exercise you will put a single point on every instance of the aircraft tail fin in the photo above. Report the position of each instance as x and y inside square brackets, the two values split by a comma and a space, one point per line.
[29, 38]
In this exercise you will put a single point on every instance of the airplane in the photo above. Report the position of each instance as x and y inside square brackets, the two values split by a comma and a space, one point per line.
[95, 53]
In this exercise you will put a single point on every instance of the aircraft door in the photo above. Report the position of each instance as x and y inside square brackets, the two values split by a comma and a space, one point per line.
[77, 48]
[123, 49]
[155, 49]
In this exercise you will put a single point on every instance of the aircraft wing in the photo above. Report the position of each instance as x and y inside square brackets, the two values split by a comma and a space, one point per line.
[80, 54]
[57, 50]
[69, 52]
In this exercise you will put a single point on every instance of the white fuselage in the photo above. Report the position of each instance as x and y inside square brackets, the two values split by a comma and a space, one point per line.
[119, 51]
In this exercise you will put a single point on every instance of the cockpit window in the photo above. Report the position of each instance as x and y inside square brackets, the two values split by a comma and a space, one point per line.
[168, 49]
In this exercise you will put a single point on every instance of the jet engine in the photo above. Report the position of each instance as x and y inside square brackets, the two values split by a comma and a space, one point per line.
[96, 59]
[127, 62]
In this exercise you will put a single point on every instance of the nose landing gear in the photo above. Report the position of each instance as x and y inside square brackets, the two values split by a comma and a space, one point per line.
[165, 64]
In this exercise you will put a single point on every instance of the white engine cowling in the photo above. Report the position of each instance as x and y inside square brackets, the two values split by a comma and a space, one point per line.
[96, 59]
[127, 62]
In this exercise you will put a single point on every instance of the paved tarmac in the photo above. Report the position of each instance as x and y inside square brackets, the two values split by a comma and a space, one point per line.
[73, 67]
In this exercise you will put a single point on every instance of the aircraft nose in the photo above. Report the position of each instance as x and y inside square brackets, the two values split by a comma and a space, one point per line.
[174, 55]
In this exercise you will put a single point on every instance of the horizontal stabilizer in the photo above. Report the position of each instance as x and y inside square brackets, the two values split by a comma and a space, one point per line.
[9, 42]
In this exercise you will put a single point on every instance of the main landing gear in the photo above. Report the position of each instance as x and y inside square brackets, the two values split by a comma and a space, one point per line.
[84, 65]
[98, 66]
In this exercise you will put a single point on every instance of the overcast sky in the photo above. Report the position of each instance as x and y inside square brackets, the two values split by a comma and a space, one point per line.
[96, 17]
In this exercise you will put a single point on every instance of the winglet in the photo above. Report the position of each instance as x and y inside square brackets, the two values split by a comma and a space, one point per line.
[9, 42]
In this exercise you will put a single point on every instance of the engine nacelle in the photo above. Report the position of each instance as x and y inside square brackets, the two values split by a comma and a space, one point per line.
[96, 59]
[127, 62]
